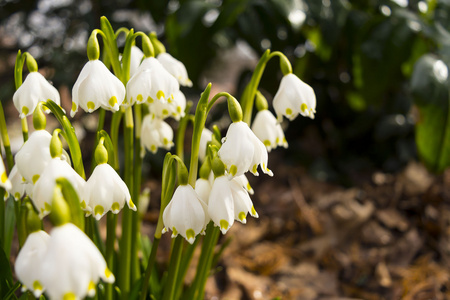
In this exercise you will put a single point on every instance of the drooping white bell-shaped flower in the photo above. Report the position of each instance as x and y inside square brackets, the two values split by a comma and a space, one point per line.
[185, 214]
[72, 265]
[229, 201]
[268, 130]
[5, 182]
[243, 181]
[28, 266]
[43, 188]
[294, 97]
[179, 103]
[175, 67]
[242, 151]
[136, 56]
[155, 133]
[34, 155]
[97, 87]
[106, 191]
[151, 83]
[204, 139]
[17, 184]
[33, 90]
[203, 189]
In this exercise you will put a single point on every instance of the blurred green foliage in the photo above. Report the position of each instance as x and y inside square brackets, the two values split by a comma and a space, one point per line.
[369, 62]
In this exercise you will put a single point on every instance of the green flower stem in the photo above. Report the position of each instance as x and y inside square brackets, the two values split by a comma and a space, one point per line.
[70, 136]
[184, 266]
[115, 125]
[111, 223]
[125, 242]
[148, 270]
[201, 113]
[175, 257]
[182, 130]
[111, 46]
[137, 176]
[24, 129]
[21, 212]
[2, 218]
[249, 94]
[204, 264]
[208, 262]
[5, 139]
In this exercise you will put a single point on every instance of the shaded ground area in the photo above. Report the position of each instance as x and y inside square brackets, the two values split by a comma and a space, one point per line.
[385, 239]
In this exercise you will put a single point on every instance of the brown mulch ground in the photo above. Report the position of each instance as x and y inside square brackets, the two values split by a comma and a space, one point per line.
[386, 239]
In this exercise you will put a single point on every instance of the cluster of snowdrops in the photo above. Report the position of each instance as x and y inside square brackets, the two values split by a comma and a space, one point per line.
[141, 87]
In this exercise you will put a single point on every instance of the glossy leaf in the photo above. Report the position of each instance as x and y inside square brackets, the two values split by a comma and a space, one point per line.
[430, 87]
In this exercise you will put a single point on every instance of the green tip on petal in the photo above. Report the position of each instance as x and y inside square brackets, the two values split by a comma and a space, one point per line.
[288, 111]
[267, 143]
[224, 225]
[139, 98]
[4, 177]
[108, 273]
[150, 99]
[90, 105]
[37, 286]
[115, 207]
[91, 286]
[242, 216]
[131, 204]
[303, 107]
[233, 170]
[112, 101]
[174, 232]
[159, 94]
[74, 106]
[35, 178]
[255, 169]
[98, 210]
[69, 296]
[83, 204]
[190, 235]
[25, 110]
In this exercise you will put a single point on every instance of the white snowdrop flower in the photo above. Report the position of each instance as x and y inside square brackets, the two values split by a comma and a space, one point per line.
[162, 110]
[179, 101]
[203, 188]
[204, 139]
[156, 133]
[229, 201]
[33, 90]
[17, 184]
[242, 151]
[268, 130]
[29, 262]
[294, 97]
[4, 180]
[175, 67]
[136, 56]
[97, 87]
[106, 191]
[72, 265]
[243, 181]
[43, 188]
[185, 214]
[34, 155]
[151, 83]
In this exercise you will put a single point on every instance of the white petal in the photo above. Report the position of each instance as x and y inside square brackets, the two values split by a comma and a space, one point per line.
[221, 204]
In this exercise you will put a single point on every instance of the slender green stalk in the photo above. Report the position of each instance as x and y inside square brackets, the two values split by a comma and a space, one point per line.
[184, 266]
[125, 245]
[249, 94]
[207, 267]
[204, 264]
[115, 125]
[21, 216]
[199, 124]
[24, 129]
[182, 130]
[2, 218]
[148, 270]
[111, 223]
[5, 139]
[175, 257]
[135, 229]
